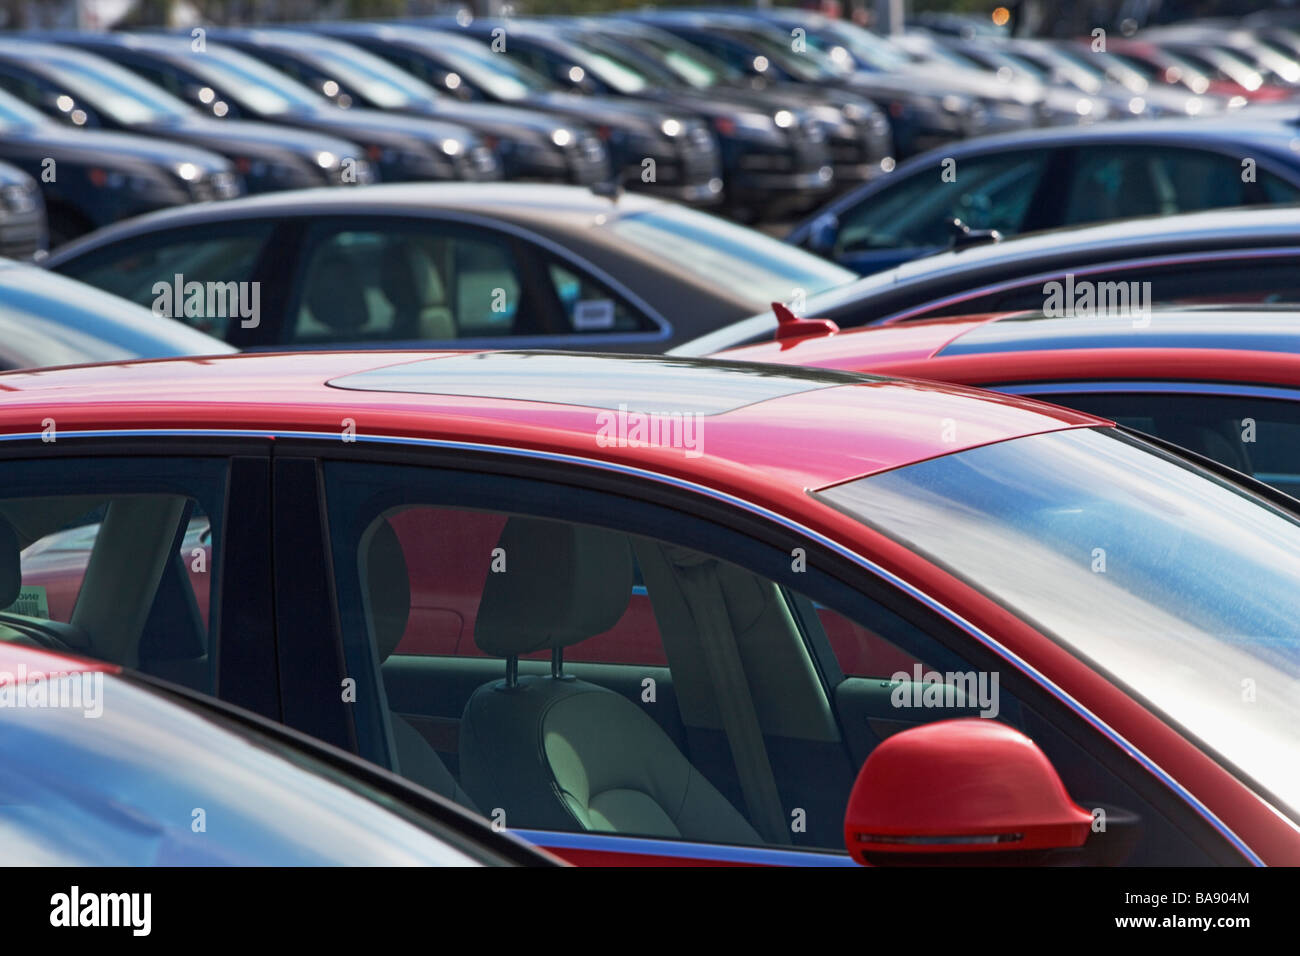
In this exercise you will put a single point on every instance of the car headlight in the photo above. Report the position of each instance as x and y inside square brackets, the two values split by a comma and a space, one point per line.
[783, 119]
[853, 112]
[671, 127]
[187, 171]
[325, 159]
[452, 147]
[952, 104]
[561, 137]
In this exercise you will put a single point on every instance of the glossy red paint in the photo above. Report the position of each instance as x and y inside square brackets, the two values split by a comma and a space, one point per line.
[768, 454]
[933, 788]
[882, 350]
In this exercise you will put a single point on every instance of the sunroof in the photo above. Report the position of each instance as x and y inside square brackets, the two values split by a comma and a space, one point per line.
[639, 383]
[1279, 332]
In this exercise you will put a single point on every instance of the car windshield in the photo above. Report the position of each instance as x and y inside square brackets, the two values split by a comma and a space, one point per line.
[377, 80]
[808, 66]
[618, 68]
[690, 63]
[1176, 583]
[762, 268]
[263, 90]
[15, 114]
[501, 76]
[116, 92]
[866, 46]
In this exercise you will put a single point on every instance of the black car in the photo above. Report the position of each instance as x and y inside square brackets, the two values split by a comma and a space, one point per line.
[227, 83]
[92, 178]
[47, 319]
[1236, 255]
[686, 162]
[775, 158]
[86, 90]
[24, 232]
[857, 129]
[468, 264]
[1062, 177]
[531, 146]
[922, 114]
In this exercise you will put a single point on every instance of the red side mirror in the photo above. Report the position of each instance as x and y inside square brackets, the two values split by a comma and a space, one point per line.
[969, 786]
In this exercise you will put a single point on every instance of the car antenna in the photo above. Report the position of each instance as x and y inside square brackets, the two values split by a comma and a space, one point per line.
[611, 188]
[790, 326]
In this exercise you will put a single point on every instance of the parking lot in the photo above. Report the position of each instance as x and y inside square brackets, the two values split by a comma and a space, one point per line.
[655, 437]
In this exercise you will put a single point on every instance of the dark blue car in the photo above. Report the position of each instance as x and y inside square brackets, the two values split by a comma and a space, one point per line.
[1046, 179]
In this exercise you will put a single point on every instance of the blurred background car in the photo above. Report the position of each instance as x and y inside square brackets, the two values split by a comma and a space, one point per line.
[23, 230]
[48, 320]
[1225, 256]
[530, 146]
[88, 91]
[478, 265]
[91, 178]
[229, 84]
[1052, 178]
[117, 790]
[686, 165]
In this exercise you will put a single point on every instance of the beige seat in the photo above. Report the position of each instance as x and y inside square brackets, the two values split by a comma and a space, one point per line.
[388, 594]
[563, 754]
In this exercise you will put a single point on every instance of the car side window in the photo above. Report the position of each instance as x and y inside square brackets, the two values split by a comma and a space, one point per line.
[179, 274]
[1268, 279]
[408, 281]
[116, 560]
[1119, 182]
[991, 192]
[590, 307]
[1256, 436]
[555, 674]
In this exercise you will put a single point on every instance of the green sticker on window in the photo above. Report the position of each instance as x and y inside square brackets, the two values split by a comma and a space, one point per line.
[31, 602]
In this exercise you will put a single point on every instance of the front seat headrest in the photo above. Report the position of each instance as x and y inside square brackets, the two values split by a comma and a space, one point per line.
[11, 570]
[388, 589]
[561, 584]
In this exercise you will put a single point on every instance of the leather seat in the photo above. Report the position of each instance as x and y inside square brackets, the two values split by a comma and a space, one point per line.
[563, 754]
[388, 587]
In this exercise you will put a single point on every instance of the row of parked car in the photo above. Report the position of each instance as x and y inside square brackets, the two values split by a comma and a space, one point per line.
[760, 113]
[804, 542]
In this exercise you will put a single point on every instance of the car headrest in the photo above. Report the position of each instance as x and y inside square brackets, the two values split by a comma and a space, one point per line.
[11, 571]
[335, 295]
[388, 589]
[562, 584]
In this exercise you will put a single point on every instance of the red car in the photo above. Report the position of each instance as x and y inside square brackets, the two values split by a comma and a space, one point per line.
[845, 618]
[1222, 381]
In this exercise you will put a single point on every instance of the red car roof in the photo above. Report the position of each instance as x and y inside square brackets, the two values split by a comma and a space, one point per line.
[1233, 345]
[823, 431]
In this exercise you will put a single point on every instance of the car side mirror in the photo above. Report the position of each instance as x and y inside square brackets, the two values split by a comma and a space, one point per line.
[969, 790]
[822, 234]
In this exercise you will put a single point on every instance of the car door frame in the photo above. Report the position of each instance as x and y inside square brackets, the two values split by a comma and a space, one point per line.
[245, 635]
[530, 251]
[730, 514]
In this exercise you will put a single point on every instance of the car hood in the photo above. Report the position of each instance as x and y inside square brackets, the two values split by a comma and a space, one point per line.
[243, 134]
[102, 146]
[605, 110]
[354, 123]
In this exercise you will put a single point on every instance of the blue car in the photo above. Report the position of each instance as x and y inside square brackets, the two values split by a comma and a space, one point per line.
[138, 782]
[1047, 179]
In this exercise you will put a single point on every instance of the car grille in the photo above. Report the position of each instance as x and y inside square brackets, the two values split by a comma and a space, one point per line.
[483, 162]
[220, 185]
[699, 154]
[588, 161]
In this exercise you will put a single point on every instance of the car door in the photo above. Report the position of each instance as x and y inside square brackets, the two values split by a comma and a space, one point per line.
[153, 555]
[226, 279]
[911, 217]
[736, 679]
[1115, 181]
[400, 281]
